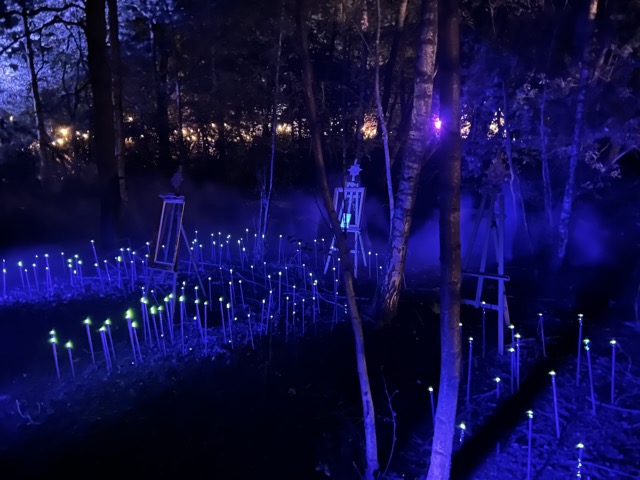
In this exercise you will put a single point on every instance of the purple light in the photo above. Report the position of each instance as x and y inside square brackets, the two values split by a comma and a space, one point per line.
[437, 123]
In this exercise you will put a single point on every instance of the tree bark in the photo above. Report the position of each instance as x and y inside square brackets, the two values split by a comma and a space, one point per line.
[569, 189]
[267, 186]
[371, 446]
[388, 293]
[381, 119]
[102, 115]
[118, 114]
[450, 262]
[45, 168]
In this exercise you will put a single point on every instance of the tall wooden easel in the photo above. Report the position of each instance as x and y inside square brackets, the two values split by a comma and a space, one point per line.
[491, 213]
[349, 202]
[164, 260]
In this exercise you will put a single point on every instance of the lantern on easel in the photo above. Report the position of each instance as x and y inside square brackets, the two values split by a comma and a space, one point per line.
[348, 202]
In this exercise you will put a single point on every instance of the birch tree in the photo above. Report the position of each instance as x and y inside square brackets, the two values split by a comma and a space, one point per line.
[416, 152]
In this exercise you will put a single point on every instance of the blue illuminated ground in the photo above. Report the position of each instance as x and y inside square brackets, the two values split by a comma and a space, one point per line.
[289, 407]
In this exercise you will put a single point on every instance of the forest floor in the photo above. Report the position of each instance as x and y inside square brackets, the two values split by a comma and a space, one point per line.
[282, 403]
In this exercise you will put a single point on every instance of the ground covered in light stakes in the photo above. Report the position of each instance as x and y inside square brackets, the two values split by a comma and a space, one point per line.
[283, 403]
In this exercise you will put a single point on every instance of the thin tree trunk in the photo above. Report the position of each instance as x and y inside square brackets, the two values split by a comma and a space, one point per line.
[103, 130]
[546, 178]
[381, 120]
[268, 187]
[388, 293]
[160, 63]
[393, 55]
[371, 447]
[514, 180]
[450, 261]
[569, 189]
[116, 73]
[362, 80]
[46, 162]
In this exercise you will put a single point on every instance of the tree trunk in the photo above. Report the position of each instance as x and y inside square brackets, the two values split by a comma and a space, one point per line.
[569, 189]
[514, 180]
[381, 119]
[362, 81]
[388, 293]
[450, 262]
[546, 178]
[160, 57]
[116, 73]
[267, 186]
[103, 130]
[371, 447]
[393, 55]
[45, 168]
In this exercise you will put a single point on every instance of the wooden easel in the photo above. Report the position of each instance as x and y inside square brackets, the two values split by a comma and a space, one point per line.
[492, 213]
[167, 243]
[348, 202]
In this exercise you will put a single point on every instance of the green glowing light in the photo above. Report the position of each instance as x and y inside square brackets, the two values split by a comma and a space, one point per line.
[529, 413]
[497, 379]
[161, 308]
[220, 299]
[128, 314]
[134, 324]
[52, 332]
[107, 321]
[154, 310]
[53, 340]
[68, 344]
[580, 445]
[552, 373]
[102, 329]
[181, 298]
[87, 321]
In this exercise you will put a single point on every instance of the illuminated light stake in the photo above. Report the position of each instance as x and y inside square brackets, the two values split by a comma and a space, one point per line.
[154, 312]
[4, 278]
[579, 348]
[529, 442]
[198, 319]
[87, 324]
[250, 331]
[230, 324]
[580, 447]
[162, 336]
[433, 406]
[210, 298]
[587, 348]
[21, 274]
[555, 402]
[369, 264]
[470, 362]
[463, 428]
[303, 313]
[105, 347]
[244, 308]
[206, 304]
[95, 257]
[497, 380]
[544, 341]
[183, 313]
[54, 342]
[512, 327]
[69, 346]
[484, 318]
[224, 330]
[512, 352]
[26, 276]
[106, 269]
[107, 324]
[134, 329]
[286, 319]
[35, 276]
[517, 337]
[612, 342]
